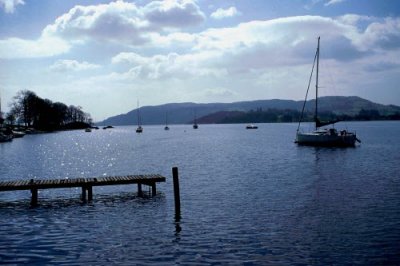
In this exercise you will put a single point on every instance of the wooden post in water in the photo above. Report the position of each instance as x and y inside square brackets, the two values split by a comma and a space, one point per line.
[34, 199]
[84, 194]
[90, 193]
[153, 189]
[177, 197]
[34, 192]
[139, 190]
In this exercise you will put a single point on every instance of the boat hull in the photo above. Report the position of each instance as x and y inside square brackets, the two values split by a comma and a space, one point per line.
[316, 139]
[251, 127]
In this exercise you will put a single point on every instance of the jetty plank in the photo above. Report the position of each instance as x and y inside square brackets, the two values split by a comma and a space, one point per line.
[85, 183]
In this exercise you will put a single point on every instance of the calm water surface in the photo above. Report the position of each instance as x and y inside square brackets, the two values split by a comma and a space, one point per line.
[248, 197]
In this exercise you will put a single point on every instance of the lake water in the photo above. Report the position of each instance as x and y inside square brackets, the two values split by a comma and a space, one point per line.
[249, 197]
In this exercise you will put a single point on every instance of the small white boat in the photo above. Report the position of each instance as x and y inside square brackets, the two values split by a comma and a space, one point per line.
[251, 126]
[18, 133]
[88, 129]
[139, 129]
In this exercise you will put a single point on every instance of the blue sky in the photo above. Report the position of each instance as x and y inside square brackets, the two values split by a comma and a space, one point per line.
[107, 55]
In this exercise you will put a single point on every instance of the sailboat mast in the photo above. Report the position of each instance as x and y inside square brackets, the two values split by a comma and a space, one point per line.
[316, 88]
[138, 114]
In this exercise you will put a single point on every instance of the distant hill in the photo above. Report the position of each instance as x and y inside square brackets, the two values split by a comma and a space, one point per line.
[184, 113]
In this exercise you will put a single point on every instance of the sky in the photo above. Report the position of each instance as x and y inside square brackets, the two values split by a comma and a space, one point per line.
[105, 56]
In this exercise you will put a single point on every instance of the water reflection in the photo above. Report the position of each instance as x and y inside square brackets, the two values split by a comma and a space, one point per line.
[178, 227]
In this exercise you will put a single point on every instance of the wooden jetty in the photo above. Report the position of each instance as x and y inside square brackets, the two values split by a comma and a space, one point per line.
[86, 184]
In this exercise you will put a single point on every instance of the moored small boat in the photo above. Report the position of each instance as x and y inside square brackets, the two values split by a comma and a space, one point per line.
[251, 126]
[18, 134]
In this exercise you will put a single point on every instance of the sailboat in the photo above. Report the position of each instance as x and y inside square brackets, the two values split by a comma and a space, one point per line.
[195, 126]
[166, 122]
[323, 136]
[139, 129]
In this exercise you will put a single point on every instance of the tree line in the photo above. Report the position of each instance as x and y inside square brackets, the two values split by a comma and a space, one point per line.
[289, 115]
[31, 111]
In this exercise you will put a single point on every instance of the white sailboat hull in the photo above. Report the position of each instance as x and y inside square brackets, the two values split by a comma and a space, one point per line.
[326, 139]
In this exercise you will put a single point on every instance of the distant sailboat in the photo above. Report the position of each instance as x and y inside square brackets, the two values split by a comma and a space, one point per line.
[323, 137]
[195, 125]
[139, 129]
[166, 122]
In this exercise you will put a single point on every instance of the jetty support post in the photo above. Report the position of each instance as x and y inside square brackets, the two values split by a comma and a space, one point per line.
[34, 192]
[34, 199]
[84, 193]
[139, 188]
[175, 176]
[90, 193]
[153, 189]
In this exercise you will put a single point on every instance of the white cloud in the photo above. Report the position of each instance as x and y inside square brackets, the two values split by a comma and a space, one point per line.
[125, 22]
[175, 39]
[119, 23]
[72, 65]
[10, 5]
[278, 34]
[171, 65]
[285, 39]
[353, 19]
[219, 52]
[43, 47]
[173, 13]
[219, 93]
[221, 13]
[333, 2]
[115, 21]
[380, 35]
[259, 45]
